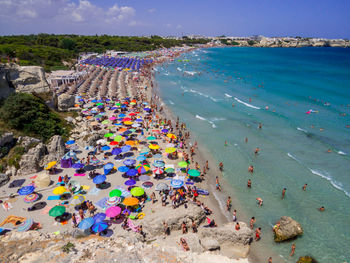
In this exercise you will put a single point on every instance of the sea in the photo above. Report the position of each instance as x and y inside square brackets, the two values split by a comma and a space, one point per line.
[301, 99]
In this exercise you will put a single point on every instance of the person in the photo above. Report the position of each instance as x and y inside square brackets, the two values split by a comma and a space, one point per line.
[246, 139]
[260, 125]
[194, 227]
[260, 201]
[207, 165]
[257, 234]
[66, 179]
[251, 169]
[81, 214]
[184, 227]
[221, 166]
[249, 183]
[184, 244]
[284, 192]
[228, 203]
[234, 215]
[269, 260]
[252, 221]
[257, 150]
[163, 199]
[153, 197]
[321, 208]
[304, 187]
[217, 184]
[292, 250]
[329, 151]
[225, 143]
[237, 227]
[74, 220]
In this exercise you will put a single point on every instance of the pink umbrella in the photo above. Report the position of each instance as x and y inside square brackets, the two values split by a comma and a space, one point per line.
[113, 211]
[112, 118]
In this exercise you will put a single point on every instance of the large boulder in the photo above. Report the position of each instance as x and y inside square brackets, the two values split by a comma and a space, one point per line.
[288, 229]
[55, 148]
[4, 178]
[210, 244]
[29, 79]
[27, 142]
[6, 138]
[30, 162]
[65, 101]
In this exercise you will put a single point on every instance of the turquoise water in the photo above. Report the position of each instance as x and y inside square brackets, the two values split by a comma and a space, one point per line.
[275, 87]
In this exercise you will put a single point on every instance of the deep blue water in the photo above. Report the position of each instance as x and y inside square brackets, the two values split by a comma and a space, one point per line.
[224, 93]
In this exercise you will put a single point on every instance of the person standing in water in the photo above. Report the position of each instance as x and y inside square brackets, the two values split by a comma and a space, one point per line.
[234, 215]
[292, 250]
[249, 183]
[269, 260]
[226, 143]
[284, 192]
[246, 139]
[251, 169]
[252, 221]
[228, 203]
[304, 187]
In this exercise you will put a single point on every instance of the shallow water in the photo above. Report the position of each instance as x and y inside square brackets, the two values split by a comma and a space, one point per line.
[294, 144]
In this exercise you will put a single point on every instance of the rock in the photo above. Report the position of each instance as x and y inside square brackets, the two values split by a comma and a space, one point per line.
[65, 101]
[6, 138]
[28, 142]
[30, 162]
[4, 178]
[77, 233]
[69, 119]
[288, 229]
[210, 244]
[306, 259]
[79, 118]
[55, 148]
[92, 139]
[228, 234]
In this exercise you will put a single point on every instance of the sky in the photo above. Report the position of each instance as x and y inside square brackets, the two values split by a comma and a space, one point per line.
[306, 18]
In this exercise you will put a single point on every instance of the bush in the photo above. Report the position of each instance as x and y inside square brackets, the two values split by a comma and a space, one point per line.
[30, 114]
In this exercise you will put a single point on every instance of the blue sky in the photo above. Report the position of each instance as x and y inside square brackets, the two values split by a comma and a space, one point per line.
[308, 18]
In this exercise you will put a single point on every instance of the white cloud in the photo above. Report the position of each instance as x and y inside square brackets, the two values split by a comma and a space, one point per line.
[168, 25]
[152, 10]
[178, 26]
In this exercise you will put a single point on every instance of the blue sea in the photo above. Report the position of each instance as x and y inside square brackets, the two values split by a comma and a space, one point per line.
[301, 97]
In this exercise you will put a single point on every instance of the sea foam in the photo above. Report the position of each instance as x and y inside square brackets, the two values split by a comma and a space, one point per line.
[247, 104]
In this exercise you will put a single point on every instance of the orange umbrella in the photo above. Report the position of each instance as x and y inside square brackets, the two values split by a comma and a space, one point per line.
[122, 129]
[131, 143]
[171, 136]
[130, 201]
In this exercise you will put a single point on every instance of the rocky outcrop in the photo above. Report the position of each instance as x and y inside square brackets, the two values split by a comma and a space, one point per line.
[65, 102]
[6, 143]
[30, 162]
[28, 142]
[4, 178]
[15, 78]
[210, 244]
[288, 229]
[306, 259]
[55, 149]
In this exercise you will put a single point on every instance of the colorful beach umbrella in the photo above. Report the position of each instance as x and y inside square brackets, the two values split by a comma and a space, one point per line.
[123, 169]
[129, 162]
[107, 135]
[176, 183]
[118, 138]
[162, 187]
[169, 170]
[158, 163]
[50, 165]
[113, 201]
[115, 192]
[70, 142]
[126, 148]
[151, 138]
[99, 227]
[26, 190]
[116, 151]
[113, 143]
[130, 201]
[137, 191]
[113, 211]
[57, 210]
[77, 200]
[171, 136]
[144, 178]
[153, 146]
[31, 198]
[26, 225]
[59, 190]
[132, 172]
[130, 182]
[99, 217]
[105, 148]
[142, 168]
[86, 223]
[158, 171]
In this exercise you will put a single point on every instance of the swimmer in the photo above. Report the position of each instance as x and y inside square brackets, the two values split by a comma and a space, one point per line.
[252, 221]
[321, 209]
[329, 151]
[234, 216]
[269, 260]
[292, 250]
[304, 187]
[249, 183]
[260, 126]
[221, 166]
[284, 192]
[246, 140]
[257, 234]
[228, 203]
[217, 184]
[226, 143]
[251, 169]
[260, 201]
[257, 150]
[233, 105]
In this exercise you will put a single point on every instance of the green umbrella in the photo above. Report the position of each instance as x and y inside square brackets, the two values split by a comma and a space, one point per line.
[57, 210]
[182, 164]
[99, 104]
[137, 191]
[105, 122]
[194, 173]
[118, 138]
[108, 135]
[170, 170]
[115, 192]
[132, 130]
[151, 138]
[117, 104]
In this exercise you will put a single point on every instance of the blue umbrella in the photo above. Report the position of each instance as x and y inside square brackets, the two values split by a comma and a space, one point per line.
[165, 130]
[141, 158]
[86, 223]
[99, 179]
[78, 165]
[126, 148]
[99, 227]
[130, 182]
[116, 151]
[99, 217]
[158, 163]
[122, 115]
[26, 190]
[176, 183]
[26, 225]
[105, 148]
[129, 162]
[108, 167]
[123, 169]
[157, 156]
[70, 142]
[132, 172]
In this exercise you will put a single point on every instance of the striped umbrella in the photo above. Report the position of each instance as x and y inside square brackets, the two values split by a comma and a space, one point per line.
[158, 171]
[26, 225]
[99, 227]
[26, 190]
[31, 198]
[143, 168]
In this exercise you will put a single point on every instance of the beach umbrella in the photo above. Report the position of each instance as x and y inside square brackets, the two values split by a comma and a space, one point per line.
[170, 150]
[126, 119]
[107, 135]
[101, 141]
[113, 143]
[141, 158]
[112, 118]
[169, 170]
[162, 187]
[77, 200]
[113, 201]
[194, 173]
[26, 190]
[115, 192]
[99, 217]
[153, 146]
[137, 191]
[99, 179]
[130, 201]
[158, 163]
[171, 136]
[158, 171]
[50, 165]
[116, 151]
[182, 164]
[105, 148]
[132, 172]
[126, 148]
[151, 138]
[128, 122]
[26, 225]
[59, 190]
[78, 165]
[157, 156]
[147, 184]
[57, 210]
[165, 130]
[129, 162]
[70, 142]
[107, 168]
[142, 168]
[113, 211]
[118, 138]
[86, 223]
[99, 227]
[123, 169]
[132, 142]
[144, 178]
[31, 198]
[176, 183]
[130, 182]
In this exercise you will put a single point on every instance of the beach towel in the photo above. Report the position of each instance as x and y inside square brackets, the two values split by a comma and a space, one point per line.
[79, 174]
[17, 183]
[33, 177]
[132, 226]
[7, 206]
[46, 210]
[102, 203]
[85, 187]
[64, 223]
[57, 232]
[94, 191]
[54, 197]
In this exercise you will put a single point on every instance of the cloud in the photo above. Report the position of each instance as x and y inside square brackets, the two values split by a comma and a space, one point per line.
[168, 25]
[152, 10]
[178, 26]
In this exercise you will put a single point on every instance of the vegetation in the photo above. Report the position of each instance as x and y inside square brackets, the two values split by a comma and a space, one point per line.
[50, 51]
[251, 42]
[30, 115]
[68, 247]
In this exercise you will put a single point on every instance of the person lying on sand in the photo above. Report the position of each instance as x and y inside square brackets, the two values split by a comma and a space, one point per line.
[183, 244]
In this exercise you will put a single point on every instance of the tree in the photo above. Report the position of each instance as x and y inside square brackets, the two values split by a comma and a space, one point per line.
[67, 43]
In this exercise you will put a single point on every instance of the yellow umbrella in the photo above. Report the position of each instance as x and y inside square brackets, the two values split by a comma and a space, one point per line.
[59, 190]
[153, 146]
[170, 150]
[130, 201]
[128, 122]
[50, 165]
[171, 136]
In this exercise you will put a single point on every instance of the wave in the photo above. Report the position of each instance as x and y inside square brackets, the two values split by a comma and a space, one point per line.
[192, 73]
[200, 93]
[329, 178]
[341, 153]
[179, 69]
[172, 103]
[228, 95]
[222, 205]
[300, 129]
[247, 104]
[217, 119]
[166, 74]
[293, 157]
[200, 117]
[204, 119]
[173, 82]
